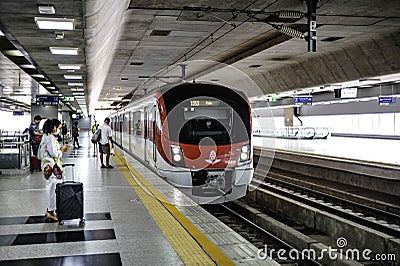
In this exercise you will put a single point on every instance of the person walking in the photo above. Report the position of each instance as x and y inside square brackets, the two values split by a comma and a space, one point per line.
[34, 134]
[75, 134]
[106, 143]
[50, 154]
[94, 129]
[64, 132]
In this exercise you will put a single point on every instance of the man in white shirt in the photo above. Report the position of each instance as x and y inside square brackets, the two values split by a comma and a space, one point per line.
[105, 143]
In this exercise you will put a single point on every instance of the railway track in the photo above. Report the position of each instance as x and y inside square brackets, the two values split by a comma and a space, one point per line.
[267, 243]
[332, 183]
[373, 218]
[317, 213]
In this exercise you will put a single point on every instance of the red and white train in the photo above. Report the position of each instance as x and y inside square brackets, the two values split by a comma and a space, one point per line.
[195, 135]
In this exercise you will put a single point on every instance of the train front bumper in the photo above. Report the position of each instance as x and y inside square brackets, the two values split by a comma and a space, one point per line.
[206, 186]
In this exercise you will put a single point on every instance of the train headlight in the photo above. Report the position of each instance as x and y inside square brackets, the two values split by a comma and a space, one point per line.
[245, 153]
[245, 148]
[243, 156]
[177, 155]
[175, 149]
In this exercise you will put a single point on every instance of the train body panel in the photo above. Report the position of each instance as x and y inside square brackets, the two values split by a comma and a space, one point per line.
[193, 135]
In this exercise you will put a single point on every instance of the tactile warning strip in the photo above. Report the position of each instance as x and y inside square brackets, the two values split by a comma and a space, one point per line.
[188, 241]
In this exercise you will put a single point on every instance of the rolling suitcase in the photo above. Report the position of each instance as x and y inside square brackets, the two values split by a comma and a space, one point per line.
[69, 200]
[35, 164]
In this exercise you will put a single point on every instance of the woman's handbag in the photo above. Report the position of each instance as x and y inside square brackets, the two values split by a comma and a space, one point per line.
[57, 172]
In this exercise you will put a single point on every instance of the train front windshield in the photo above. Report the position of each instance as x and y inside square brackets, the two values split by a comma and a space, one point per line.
[213, 122]
[209, 119]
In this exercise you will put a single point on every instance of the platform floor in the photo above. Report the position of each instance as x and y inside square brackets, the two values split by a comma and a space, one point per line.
[365, 149]
[124, 224]
[118, 230]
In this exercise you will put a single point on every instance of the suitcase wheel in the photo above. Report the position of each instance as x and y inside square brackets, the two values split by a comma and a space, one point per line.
[82, 222]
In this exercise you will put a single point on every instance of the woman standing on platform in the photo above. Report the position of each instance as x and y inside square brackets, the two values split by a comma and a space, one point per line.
[50, 153]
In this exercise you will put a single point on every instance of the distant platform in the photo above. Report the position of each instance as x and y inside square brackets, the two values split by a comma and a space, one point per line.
[373, 150]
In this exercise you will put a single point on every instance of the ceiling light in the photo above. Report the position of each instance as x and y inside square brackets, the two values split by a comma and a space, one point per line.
[75, 84]
[51, 88]
[12, 53]
[69, 66]
[54, 23]
[64, 50]
[38, 76]
[46, 9]
[77, 89]
[45, 82]
[73, 76]
[27, 66]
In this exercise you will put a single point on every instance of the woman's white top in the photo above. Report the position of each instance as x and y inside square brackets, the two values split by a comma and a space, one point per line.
[50, 151]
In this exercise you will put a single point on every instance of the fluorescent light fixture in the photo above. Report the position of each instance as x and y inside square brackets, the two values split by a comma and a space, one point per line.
[28, 66]
[73, 76]
[1, 33]
[77, 89]
[64, 50]
[45, 82]
[12, 53]
[69, 66]
[75, 84]
[54, 23]
[51, 88]
[38, 76]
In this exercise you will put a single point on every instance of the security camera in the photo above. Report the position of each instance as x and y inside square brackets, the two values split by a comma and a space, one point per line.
[59, 35]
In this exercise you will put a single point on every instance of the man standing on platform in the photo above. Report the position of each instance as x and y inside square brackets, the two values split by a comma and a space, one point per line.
[105, 142]
[34, 134]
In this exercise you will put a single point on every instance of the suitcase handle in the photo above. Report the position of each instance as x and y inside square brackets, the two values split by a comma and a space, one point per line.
[72, 170]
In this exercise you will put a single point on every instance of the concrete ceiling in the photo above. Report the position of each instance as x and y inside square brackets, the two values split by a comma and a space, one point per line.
[122, 42]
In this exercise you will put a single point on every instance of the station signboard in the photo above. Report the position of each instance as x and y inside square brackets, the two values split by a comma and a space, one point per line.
[386, 100]
[18, 113]
[302, 100]
[47, 99]
[348, 93]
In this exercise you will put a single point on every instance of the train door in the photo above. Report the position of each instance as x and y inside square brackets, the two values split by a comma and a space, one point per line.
[129, 130]
[121, 125]
[150, 135]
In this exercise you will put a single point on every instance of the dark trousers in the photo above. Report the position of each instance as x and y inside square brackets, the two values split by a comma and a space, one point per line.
[76, 141]
[35, 148]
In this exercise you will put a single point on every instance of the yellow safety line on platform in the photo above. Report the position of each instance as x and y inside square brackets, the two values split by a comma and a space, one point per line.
[188, 241]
